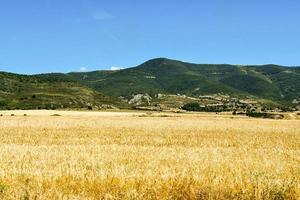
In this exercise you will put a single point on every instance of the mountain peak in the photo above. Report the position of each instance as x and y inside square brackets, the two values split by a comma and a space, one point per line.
[157, 60]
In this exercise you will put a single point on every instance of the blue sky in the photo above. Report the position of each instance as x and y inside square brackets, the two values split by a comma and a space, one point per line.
[39, 36]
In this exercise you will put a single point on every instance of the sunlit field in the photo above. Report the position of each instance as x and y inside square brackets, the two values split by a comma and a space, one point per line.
[129, 155]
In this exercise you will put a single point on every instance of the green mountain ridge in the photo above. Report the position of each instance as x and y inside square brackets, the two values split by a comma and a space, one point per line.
[273, 83]
[162, 75]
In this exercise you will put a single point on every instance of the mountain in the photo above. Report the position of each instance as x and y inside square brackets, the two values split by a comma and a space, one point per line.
[270, 82]
[175, 80]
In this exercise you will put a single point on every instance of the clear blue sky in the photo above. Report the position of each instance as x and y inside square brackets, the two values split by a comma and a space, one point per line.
[71, 35]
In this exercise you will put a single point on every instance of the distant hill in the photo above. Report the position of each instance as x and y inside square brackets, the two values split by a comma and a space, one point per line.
[48, 91]
[266, 83]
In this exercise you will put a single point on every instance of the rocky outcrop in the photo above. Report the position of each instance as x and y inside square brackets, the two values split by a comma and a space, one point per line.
[140, 99]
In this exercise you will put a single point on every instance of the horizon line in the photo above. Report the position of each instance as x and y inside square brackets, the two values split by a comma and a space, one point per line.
[124, 68]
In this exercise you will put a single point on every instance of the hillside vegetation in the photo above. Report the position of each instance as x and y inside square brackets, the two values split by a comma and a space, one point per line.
[162, 75]
[48, 91]
[268, 83]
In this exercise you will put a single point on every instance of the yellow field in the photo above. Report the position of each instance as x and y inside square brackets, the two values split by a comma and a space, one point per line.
[82, 155]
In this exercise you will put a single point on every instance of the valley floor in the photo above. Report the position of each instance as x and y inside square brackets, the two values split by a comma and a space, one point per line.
[137, 155]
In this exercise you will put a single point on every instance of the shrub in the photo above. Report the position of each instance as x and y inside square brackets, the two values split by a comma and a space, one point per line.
[264, 115]
[3, 104]
[197, 107]
[2, 188]
[55, 115]
[191, 107]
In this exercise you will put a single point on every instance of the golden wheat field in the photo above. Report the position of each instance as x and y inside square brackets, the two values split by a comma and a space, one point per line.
[128, 155]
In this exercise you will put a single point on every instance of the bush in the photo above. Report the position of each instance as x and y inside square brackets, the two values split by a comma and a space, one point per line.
[192, 107]
[197, 107]
[265, 115]
[3, 104]
[55, 115]
[2, 188]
